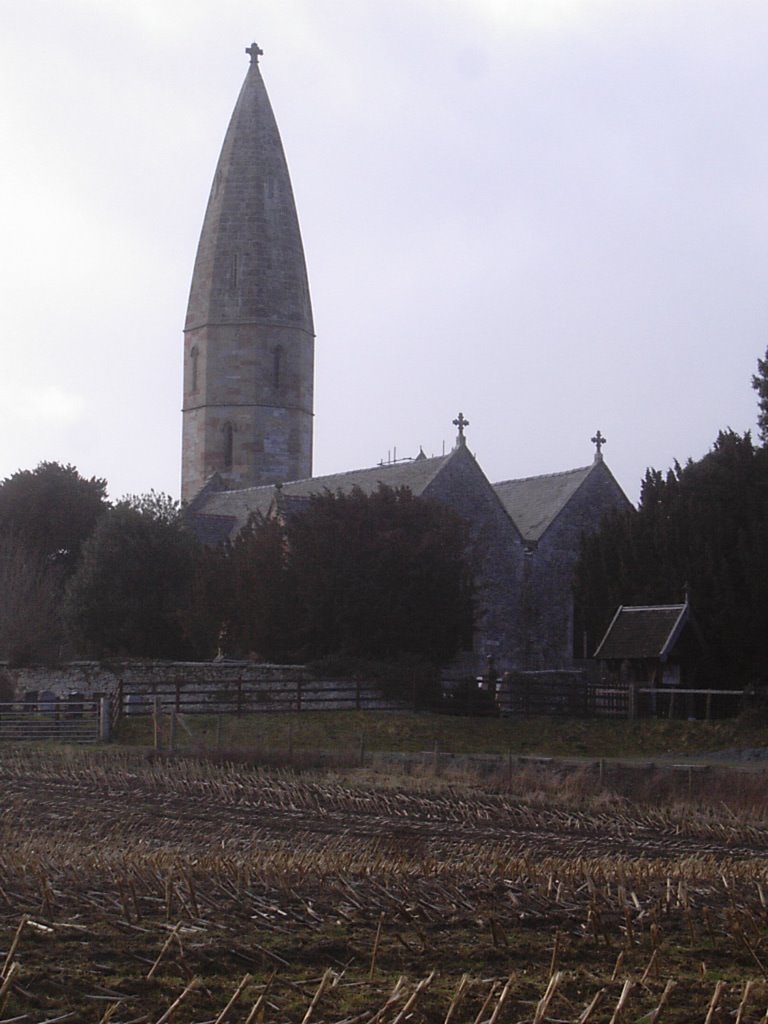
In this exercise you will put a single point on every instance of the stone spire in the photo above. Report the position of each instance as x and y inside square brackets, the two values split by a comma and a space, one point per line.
[249, 337]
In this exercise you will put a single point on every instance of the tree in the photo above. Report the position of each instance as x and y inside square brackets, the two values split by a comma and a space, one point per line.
[133, 590]
[701, 528]
[52, 510]
[760, 385]
[30, 590]
[371, 575]
[259, 614]
[45, 516]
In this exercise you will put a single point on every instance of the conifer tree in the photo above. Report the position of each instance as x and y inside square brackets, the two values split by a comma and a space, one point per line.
[760, 384]
[701, 525]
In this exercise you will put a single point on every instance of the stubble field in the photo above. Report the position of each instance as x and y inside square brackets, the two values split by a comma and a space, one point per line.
[147, 890]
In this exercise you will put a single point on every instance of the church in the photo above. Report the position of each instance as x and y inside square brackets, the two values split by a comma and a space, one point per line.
[248, 414]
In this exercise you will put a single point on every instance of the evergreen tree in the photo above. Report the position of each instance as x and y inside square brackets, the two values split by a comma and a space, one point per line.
[46, 514]
[702, 527]
[52, 510]
[30, 597]
[133, 590]
[760, 384]
[369, 575]
[257, 613]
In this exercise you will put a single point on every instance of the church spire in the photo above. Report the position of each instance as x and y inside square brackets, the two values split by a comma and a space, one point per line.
[249, 336]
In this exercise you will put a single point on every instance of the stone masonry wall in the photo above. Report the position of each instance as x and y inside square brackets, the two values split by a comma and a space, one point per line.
[549, 591]
[497, 552]
[197, 686]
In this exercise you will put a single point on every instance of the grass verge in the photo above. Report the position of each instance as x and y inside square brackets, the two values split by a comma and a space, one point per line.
[341, 733]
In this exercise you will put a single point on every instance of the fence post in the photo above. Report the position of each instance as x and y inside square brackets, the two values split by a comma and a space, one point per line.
[298, 694]
[239, 697]
[708, 712]
[116, 708]
[105, 720]
[172, 732]
[156, 723]
[357, 693]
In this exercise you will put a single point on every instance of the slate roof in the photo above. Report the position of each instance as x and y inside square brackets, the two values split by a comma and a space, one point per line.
[238, 505]
[532, 503]
[643, 631]
[211, 529]
[535, 501]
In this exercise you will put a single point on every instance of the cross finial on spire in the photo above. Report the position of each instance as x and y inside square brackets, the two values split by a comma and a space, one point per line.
[254, 51]
[598, 441]
[460, 422]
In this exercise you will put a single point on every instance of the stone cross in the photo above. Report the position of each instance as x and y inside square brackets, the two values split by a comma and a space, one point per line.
[254, 51]
[598, 441]
[460, 422]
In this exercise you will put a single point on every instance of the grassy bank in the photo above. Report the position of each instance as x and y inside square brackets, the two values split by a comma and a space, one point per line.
[341, 733]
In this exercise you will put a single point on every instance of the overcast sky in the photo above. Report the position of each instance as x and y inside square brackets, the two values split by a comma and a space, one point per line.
[551, 215]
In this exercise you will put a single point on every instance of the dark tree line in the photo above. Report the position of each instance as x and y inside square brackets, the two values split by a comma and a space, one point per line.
[367, 576]
[701, 529]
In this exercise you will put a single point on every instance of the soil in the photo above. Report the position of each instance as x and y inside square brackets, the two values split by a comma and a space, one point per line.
[127, 883]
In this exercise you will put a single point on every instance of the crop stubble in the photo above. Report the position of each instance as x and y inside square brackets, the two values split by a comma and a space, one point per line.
[136, 890]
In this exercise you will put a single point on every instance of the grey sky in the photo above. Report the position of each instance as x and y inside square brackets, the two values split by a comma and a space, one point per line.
[549, 214]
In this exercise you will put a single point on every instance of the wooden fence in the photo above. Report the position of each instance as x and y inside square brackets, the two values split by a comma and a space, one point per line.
[582, 698]
[571, 698]
[243, 696]
[80, 720]
[674, 702]
[564, 696]
[65, 721]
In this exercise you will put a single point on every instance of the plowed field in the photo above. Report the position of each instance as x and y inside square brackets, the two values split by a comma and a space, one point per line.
[146, 890]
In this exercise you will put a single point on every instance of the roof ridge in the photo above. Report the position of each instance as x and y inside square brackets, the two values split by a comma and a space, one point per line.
[333, 476]
[543, 476]
[651, 607]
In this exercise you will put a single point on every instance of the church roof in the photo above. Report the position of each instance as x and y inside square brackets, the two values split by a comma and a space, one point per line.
[415, 474]
[534, 502]
[643, 631]
[250, 260]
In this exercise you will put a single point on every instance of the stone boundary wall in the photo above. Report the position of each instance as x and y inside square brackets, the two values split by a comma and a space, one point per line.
[218, 687]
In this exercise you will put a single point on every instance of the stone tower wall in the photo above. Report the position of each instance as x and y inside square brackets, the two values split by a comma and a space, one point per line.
[257, 380]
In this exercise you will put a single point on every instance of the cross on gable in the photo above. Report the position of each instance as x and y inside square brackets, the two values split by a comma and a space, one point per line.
[254, 51]
[598, 441]
[460, 422]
